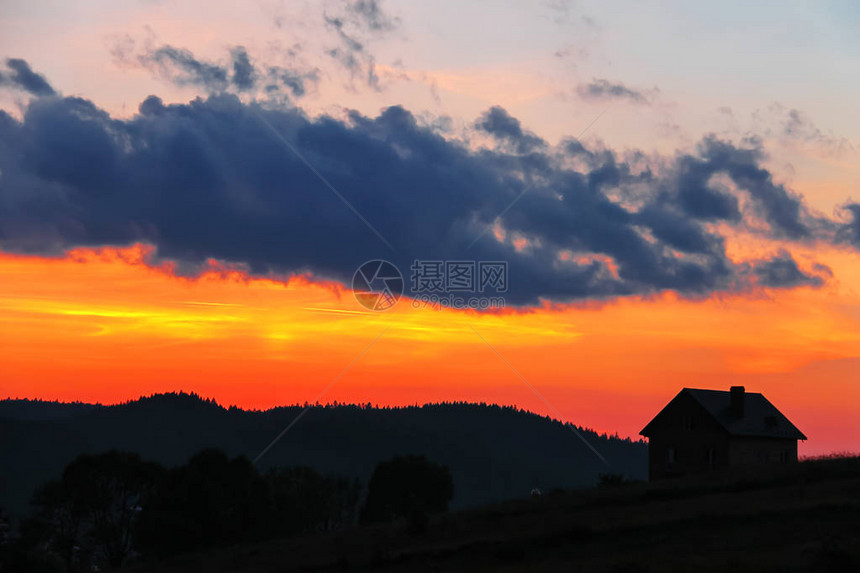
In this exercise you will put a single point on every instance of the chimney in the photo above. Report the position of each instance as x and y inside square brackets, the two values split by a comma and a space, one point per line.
[737, 401]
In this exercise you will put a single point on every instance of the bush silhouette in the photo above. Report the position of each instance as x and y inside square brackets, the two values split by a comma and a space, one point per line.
[407, 487]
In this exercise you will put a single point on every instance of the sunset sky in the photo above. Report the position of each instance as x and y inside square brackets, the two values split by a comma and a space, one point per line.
[187, 189]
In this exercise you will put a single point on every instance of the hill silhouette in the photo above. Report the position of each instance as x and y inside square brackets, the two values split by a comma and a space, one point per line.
[494, 452]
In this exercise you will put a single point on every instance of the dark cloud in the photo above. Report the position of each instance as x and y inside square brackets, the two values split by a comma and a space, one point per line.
[294, 81]
[356, 23]
[781, 271]
[605, 89]
[244, 74]
[698, 196]
[850, 232]
[497, 122]
[678, 231]
[351, 54]
[695, 195]
[19, 75]
[182, 67]
[784, 211]
[371, 15]
[207, 180]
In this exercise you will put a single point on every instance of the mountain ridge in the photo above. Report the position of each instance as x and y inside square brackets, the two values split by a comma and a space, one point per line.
[494, 452]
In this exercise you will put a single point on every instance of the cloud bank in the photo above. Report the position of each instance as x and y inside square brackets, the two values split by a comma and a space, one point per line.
[209, 180]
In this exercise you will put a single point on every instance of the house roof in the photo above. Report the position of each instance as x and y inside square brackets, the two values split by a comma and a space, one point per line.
[761, 418]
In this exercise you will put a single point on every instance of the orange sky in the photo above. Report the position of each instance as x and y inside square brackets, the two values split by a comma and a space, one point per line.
[104, 326]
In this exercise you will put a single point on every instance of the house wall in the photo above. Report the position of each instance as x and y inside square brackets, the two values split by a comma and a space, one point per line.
[762, 451]
[686, 439]
[692, 454]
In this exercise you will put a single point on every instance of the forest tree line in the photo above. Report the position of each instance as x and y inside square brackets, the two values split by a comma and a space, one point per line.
[111, 508]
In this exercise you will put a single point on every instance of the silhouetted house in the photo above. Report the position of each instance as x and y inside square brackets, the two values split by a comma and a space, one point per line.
[702, 430]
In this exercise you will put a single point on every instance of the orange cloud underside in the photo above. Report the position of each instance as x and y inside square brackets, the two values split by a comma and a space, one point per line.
[105, 326]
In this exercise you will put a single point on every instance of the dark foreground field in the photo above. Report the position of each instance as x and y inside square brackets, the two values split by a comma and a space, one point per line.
[801, 518]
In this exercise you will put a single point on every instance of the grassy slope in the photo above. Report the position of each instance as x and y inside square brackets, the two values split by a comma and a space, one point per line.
[802, 518]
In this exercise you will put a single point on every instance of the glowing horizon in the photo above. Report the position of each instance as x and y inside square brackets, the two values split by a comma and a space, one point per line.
[70, 334]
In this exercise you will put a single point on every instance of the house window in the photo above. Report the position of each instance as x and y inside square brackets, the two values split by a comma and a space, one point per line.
[687, 423]
[670, 456]
[784, 457]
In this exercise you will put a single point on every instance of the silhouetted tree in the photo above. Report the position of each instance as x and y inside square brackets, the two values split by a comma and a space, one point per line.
[58, 524]
[92, 508]
[305, 500]
[347, 493]
[409, 487]
[209, 501]
[301, 498]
